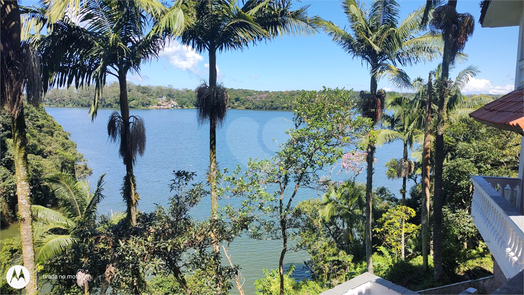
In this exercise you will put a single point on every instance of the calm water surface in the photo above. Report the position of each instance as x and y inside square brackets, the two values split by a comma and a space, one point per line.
[175, 141]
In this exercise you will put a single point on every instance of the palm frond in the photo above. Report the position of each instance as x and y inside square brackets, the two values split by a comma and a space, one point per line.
[90, 211]
[387, 136]
[50, 216]
[137, 135]
[397, 76]
[115, 126]
[51, 245]
[212, 104]
[174, 20]
[67, 190]
[464, 76]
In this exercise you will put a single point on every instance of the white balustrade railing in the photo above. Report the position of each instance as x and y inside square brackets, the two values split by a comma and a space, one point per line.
[500, 224]
[509, 188]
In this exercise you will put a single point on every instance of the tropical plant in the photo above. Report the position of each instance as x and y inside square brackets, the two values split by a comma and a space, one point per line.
[455, 28]
[19, 71]
[377, 38]
[54, 231]
[345, 202]
[113, 39]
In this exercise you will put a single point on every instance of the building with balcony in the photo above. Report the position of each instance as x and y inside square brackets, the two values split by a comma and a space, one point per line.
[498, 207]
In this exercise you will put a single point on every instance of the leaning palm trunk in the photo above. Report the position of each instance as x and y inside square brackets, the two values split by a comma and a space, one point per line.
[12, 81]
[426, 156]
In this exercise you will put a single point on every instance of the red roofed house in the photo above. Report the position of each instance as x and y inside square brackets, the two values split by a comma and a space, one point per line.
[497, 208]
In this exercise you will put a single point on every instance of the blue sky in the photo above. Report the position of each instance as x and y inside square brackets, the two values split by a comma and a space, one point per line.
[312, 62]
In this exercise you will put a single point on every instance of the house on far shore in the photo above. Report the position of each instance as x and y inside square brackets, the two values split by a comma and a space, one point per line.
[163, 103]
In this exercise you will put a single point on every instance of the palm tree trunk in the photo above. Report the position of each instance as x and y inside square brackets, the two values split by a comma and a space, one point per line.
[212, 141]
[12, 84]
[426, 156]
[369, 205]
[129, 181]
[438, 199]
[404, 181]
[24, 203]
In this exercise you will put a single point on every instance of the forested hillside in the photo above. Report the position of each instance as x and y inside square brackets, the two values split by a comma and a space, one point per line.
[49, 149]
[150, 96]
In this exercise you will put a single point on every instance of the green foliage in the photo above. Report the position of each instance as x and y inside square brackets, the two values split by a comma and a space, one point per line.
[10, 254]
[460, 238]
[392, 224]
[270, 284]
[165, 243]
[476, 149]
[50, 151]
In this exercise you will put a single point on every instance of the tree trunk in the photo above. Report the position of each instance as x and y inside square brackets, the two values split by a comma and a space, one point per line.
[24, 203]
[438, 199]
[11, 97]
[129, 191]
[284, 250]
[426, 156]
[404, 182]
[369, 205]
[212, 142]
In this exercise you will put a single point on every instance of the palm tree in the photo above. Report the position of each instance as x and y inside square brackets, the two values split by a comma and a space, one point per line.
[455, 28]
[19, 70]
[425, 94]
[112, 40]
[221, 25]
[55, 230]
[405, 126]
[455, 105]
[377, 38]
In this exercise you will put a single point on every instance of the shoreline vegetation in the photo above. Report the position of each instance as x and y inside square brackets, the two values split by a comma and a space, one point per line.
[167, 97]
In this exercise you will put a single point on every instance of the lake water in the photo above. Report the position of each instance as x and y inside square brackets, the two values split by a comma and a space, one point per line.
[175, 141]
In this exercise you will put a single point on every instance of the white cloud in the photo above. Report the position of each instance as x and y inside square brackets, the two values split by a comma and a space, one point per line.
[182, 56]
[254, 77]
[484, 86]
[137, 78]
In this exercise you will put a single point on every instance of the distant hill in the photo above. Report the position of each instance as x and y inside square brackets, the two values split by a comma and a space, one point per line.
[166, 97]
[141, 97]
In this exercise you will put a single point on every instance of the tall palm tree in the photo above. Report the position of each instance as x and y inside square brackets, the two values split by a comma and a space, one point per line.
[111, 40]
[424, 99]
[455, 105]
[377, 38]
[404, 126]
[19, 70]
[55, 230]
[222, 25]
[455, 28]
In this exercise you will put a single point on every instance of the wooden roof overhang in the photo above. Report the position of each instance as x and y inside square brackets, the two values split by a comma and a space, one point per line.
[506, 112]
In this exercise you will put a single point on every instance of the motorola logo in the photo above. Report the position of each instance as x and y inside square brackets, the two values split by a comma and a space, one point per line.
[17, 277]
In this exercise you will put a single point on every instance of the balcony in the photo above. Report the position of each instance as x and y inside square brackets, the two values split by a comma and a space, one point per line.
[501, 224]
